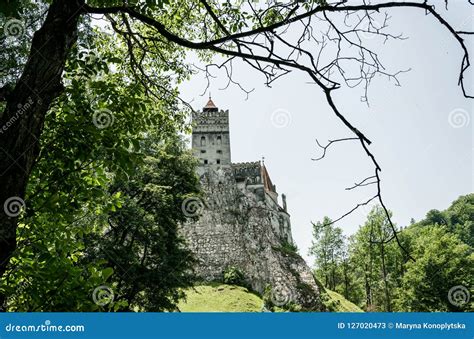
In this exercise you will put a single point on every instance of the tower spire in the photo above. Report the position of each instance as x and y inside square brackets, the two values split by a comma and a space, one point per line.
[210, 106]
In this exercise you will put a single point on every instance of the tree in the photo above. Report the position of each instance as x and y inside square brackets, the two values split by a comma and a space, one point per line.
[363, 253]
[327, 247]
[458, 218]
[127, 240]
[375, 259]
[348, 289]
[439, 279]
[443, 264]
[85, 149]
[142, 243]
[150, 27]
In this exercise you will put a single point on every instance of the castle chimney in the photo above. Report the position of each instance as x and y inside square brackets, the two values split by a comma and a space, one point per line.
[283, 199]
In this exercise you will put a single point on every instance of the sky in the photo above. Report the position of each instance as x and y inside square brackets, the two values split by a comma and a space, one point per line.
[422, 131]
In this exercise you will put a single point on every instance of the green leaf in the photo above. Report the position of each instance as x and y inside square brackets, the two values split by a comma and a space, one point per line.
[107, 272]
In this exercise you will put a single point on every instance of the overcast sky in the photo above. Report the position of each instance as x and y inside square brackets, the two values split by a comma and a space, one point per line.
[422, 132]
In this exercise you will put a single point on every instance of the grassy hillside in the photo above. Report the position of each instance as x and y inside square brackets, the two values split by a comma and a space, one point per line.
[231, 298]
[337, 303]
[220, 298]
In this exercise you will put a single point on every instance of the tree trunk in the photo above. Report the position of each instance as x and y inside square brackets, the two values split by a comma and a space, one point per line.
[368, 292]
[325, 270]
[346, 280]
[333, 275]
[388, 302]
[21, 122]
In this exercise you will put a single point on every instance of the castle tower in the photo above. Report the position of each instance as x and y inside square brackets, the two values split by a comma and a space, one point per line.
[241, 224]
[210, 138]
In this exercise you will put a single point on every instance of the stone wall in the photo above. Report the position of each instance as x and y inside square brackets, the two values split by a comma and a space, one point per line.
[242, 225]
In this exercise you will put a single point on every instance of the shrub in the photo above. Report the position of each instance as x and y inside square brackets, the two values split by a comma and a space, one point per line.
[233, 276]
[287, 248]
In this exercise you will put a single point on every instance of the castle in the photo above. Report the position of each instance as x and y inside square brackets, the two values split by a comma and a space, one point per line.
[242, 224]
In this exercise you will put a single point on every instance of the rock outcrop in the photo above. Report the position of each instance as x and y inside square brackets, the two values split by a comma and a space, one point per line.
[240, 224]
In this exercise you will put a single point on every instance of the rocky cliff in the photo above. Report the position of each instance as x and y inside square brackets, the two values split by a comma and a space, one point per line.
[240, 224]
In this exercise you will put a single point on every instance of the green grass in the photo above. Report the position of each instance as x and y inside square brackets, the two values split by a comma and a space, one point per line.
[337, 303]
[220, 298]
[217, 297]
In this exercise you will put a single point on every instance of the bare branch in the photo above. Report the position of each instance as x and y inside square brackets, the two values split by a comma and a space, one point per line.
[351, 211]
[330, 142]
[363, 183]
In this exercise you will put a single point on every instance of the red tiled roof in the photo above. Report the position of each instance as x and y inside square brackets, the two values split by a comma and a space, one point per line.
[267, 182]
[210, 104]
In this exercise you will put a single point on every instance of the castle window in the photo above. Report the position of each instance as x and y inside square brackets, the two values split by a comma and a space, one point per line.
[219, 140]
[218, 161]
[205, 161]
[219, 151]
[203, 141]
[203, 151]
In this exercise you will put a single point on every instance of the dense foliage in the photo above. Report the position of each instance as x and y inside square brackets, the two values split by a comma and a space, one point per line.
[435, 273]
[233, 276]
[104, 198]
